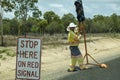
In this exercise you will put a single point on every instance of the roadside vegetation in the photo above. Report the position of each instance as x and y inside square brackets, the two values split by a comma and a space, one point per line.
[51, 29]
[6, 52]
[56, 39]
[52, 24]
[48, 26]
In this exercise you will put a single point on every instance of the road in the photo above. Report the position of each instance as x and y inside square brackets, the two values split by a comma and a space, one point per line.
[94, 73]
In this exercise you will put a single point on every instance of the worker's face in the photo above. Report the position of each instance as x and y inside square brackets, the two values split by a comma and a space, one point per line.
[72, 28]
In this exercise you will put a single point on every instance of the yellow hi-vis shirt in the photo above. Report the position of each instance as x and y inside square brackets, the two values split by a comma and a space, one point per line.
[73, 39]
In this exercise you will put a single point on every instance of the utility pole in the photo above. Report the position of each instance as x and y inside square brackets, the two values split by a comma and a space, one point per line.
[1, 23]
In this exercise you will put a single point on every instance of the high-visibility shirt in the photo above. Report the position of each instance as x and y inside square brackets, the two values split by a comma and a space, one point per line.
[73, 39]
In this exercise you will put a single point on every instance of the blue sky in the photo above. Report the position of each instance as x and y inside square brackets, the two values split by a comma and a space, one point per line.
[91, 7]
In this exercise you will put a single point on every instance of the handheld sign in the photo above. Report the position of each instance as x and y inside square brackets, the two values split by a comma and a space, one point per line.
[28, 59]
[79, 10]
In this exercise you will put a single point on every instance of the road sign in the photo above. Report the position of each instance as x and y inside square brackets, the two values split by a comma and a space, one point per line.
[28, 59]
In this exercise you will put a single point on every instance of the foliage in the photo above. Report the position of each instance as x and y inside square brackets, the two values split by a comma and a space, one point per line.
[14, 26]
[51, 16]
[52, 24]
[103, 24]
[6, 25]
[42, 26]
[34, 29]
[53, 27]
[6, 52]
[7, 5]
[68, 18]
[22, 7]
[22, 10]
[28, 20]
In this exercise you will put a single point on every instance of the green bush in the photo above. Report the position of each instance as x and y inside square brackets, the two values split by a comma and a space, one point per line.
[11, 54]
[4, 58]
[1, 56]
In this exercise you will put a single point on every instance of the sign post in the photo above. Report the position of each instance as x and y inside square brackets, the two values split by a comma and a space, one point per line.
[28, 59]
[81, 19]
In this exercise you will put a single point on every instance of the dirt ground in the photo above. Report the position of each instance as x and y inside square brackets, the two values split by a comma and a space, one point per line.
[55, 61]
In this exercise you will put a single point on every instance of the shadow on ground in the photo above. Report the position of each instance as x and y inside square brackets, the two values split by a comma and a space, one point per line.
[96, 73]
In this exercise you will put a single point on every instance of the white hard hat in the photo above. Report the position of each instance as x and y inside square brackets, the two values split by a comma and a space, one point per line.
[71, 25]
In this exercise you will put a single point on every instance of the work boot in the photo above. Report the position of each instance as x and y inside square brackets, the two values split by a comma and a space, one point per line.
[83, 67]
[69, 70]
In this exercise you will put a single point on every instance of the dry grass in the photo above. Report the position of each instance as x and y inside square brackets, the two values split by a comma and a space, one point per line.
[55, 57]
[59, 39]
[6, 52]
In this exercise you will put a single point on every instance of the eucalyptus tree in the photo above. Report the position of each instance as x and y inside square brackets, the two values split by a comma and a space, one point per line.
[23, 9]
[5, 6]
[50, 16]
[68, 18]
[42, 26]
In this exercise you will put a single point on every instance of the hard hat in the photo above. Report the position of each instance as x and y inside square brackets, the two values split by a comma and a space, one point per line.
[71, 25]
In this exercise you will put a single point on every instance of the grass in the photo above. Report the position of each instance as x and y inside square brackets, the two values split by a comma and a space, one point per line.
[5, 52]
[47, 40]
[56, 39]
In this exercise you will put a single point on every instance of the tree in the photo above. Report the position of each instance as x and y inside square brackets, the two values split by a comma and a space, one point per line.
[42, 26]
[50, 16]
[88, 25]
[37, 13]
[23, 7]
[34, 29]
[115, 22]
[68, 18]
[55, 27]
[5, 5]
[6, 25]
[31, 21]
[14, 26]
[100, 25]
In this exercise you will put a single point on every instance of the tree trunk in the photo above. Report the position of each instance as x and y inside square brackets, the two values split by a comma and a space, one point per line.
[1, 24]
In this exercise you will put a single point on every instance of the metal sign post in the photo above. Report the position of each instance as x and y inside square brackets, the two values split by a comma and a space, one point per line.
[28, 59]
[81, 19]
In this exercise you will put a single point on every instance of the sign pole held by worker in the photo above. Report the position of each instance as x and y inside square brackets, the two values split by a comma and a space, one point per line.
[28, 59]
[81, 19]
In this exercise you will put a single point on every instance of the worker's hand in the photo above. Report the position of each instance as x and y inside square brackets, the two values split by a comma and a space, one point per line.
[79, 36]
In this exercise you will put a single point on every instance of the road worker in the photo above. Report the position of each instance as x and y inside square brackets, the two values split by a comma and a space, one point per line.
[76, 56]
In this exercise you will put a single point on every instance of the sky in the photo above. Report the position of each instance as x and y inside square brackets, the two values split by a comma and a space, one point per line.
[91, 7]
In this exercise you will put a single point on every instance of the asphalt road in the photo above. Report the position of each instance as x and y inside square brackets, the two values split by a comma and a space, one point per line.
[95, 73]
